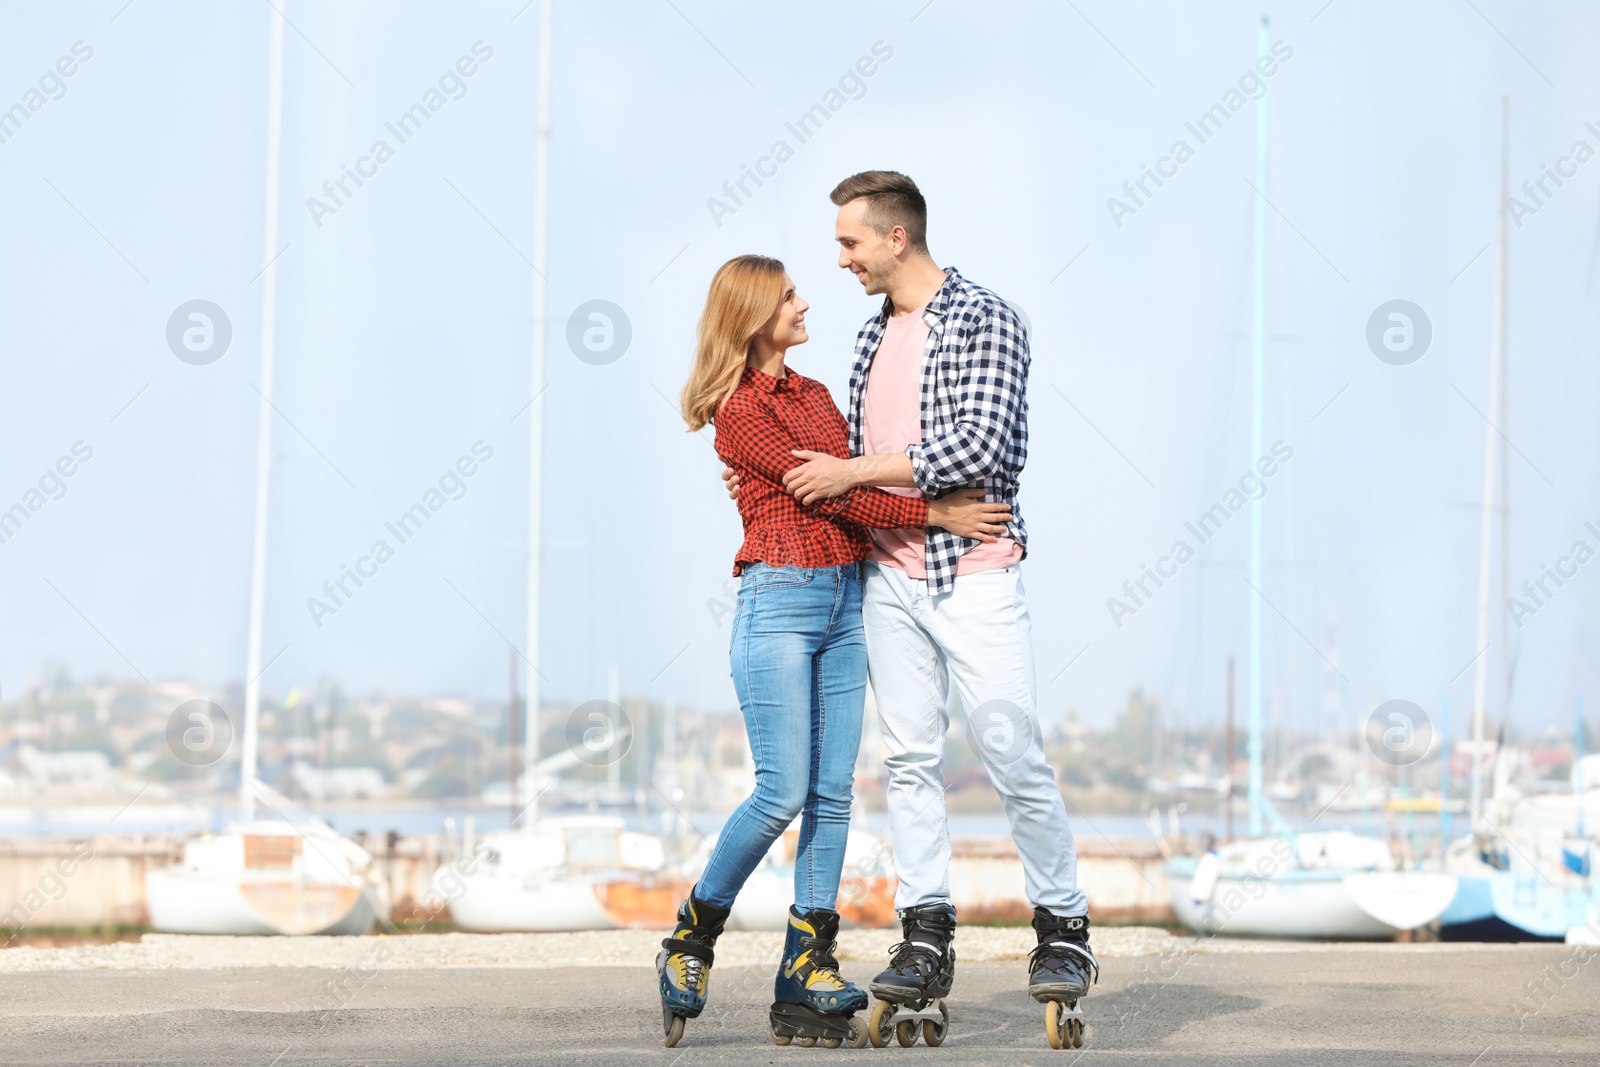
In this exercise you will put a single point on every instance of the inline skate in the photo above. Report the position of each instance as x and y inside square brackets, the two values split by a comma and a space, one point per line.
[1059, 973]
[810, 999]
[684, 965]
[922, 967]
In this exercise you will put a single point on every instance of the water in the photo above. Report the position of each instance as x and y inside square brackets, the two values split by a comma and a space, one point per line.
[201, 814]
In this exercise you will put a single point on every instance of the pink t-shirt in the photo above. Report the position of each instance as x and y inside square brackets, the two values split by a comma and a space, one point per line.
[891, 419]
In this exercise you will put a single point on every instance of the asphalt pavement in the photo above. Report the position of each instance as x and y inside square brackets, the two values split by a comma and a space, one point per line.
[1456, 1005]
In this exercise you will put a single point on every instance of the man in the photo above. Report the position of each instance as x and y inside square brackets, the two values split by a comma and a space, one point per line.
[937, 403]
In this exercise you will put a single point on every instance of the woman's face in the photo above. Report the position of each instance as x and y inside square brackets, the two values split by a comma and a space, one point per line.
[787, 327]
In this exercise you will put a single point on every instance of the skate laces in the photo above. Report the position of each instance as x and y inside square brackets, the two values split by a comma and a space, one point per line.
[691, 953]
[919, 956]
[924, 957]
[691, 972]
[1064, 957]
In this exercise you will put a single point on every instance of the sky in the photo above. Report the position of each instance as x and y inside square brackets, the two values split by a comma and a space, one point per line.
[404, 326]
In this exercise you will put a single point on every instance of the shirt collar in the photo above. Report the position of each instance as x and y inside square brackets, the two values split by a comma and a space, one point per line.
[937, 306]
[768, 384]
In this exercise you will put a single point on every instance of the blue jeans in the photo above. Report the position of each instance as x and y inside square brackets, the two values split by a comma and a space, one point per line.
[800, 670]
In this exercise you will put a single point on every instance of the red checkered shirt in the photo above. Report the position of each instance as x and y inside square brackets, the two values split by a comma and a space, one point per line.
[758, 429]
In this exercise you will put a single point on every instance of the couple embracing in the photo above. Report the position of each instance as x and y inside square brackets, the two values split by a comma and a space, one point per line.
[888, 545]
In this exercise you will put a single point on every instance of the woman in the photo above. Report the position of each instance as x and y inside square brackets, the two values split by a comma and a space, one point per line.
[798, 654]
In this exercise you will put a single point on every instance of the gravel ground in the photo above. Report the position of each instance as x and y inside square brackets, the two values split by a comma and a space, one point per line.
[590, 948]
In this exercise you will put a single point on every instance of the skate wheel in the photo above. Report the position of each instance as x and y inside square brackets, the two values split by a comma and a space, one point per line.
[1052, 1024]
[933, 1032]
[832, 1042]
[880, 1025]
[674, 1028]
[1062, 1030]
[905, 1032]
[805, 1042]
[777, 1038]
[858, 1034]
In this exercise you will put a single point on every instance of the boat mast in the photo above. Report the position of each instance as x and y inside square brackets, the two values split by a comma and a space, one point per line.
[269, 310]
[1507, 659]
[1497, 355]
[1257, 374]
[1577, 757]
[541, 218]
[1445, 820]
[614, 695]
[1227, 762]
[513, 742]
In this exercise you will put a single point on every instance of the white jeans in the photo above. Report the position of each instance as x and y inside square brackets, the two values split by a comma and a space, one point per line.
[978, 638]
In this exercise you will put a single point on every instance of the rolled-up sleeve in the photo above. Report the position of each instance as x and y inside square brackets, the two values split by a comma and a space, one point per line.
[991, 404]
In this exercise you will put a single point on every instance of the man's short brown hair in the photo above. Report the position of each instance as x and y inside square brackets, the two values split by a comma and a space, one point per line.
[892, 200]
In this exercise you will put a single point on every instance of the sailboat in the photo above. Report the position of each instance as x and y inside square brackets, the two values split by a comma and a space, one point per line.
[1331, 884]
[585, 872]
[570, 872]
[1564, 829]
[575, 872]
[1528, 875]
[266, 876]
[1572, 818]
[1528, 879]
[1525, 870]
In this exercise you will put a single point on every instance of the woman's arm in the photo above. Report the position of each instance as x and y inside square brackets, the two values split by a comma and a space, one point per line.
[762, 447]
[749, 436]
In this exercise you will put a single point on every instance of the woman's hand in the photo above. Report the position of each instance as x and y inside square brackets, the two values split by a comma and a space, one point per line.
[966, 513]
[731, 480]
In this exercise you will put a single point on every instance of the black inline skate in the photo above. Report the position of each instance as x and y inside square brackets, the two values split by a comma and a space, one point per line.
[921, 970]
[810, 999]
[684, 964]
[1059, 974]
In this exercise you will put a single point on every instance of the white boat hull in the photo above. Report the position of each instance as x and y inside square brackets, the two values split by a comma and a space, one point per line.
[589, 873]
[577, 872]
[267, 877]
[1331, 885]
[763, 901]
[1403, 900]
[494, 904]
[191, 902]
[1276, 907]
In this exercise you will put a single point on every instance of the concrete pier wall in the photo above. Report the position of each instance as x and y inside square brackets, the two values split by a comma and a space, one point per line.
[98, 882]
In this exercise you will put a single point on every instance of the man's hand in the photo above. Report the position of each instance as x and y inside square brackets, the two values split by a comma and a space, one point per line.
[966, 513]
[820, 477]
[731, 479]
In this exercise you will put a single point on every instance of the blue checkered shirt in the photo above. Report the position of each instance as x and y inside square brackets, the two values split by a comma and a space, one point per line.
[974, 408]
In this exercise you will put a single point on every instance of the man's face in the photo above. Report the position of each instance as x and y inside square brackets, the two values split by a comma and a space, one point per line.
[862, 251]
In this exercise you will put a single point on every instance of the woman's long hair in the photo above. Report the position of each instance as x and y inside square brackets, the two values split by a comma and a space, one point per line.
[744, 294]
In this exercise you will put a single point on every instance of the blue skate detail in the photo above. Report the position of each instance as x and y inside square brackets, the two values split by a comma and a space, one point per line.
[684, 962]
[808, 973]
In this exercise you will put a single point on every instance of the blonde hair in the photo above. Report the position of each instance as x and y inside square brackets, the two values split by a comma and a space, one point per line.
[745, 292]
